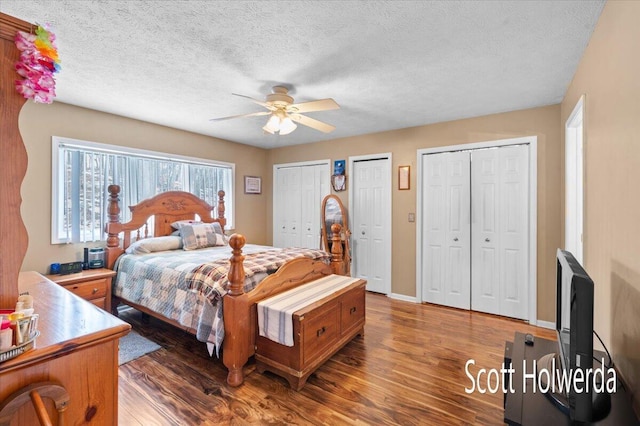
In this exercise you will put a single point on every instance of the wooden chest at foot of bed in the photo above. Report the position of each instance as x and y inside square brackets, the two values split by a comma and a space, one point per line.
[319, 331]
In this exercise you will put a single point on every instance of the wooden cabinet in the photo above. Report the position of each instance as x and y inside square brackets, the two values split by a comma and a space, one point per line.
[77, 348]
[93, 285]
[320, 330]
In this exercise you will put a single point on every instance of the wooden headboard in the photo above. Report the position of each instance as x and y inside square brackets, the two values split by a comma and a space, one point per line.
[166, 208]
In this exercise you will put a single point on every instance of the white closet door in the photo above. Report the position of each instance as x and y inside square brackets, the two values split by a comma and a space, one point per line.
[309, 214]
[371, 251]
[499, 249]
[315, 186]
[298, 194]
[446, 240]
[293, 215]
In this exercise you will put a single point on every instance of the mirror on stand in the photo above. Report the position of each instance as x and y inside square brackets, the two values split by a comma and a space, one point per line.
[336, 234]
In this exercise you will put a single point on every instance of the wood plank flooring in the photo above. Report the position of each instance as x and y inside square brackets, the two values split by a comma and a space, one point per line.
[408, 368]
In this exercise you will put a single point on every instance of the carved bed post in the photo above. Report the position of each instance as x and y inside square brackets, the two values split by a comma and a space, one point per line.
[337, 257]
[221, 218]
[235, 347]
[113, 226]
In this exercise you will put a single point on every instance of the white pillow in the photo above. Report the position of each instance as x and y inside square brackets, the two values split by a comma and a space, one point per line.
[151, 245]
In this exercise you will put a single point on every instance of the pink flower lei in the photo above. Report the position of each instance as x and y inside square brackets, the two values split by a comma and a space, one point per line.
[38, 62]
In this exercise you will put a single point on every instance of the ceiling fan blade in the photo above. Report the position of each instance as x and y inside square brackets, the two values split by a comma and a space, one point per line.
[264, 104]
[253, 114]
[319, 105]
[312, 122]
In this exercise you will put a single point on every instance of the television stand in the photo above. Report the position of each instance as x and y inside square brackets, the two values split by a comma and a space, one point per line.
[525, 407]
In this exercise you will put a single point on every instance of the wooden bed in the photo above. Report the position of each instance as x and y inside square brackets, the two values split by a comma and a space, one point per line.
[239, 311]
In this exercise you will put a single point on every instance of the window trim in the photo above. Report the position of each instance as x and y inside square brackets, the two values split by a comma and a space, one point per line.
[57, 179]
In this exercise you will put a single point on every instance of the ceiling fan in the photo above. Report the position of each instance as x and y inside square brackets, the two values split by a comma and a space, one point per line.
[283, 112]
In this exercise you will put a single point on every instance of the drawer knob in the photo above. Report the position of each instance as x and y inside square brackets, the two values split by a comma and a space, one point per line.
[352, 311]
[95, 290]
[321, 331]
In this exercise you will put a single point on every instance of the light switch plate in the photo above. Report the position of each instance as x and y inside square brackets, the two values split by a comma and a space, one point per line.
[412, 217]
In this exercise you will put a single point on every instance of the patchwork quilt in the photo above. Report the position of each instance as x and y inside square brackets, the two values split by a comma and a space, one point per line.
[188, 286]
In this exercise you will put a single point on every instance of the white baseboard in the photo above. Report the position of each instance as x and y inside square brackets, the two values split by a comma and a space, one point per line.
[546, 324]
[403, 297]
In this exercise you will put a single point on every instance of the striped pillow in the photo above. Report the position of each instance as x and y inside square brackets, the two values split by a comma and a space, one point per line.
[201, 235]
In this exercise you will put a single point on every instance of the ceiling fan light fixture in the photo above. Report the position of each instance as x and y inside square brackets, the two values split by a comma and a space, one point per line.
[287, 126]
[273, 125]
[285, 115]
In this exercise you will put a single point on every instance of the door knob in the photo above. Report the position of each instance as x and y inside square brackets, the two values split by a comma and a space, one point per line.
[487, 240]
[455, 239]
[308, 229]
[362, 232]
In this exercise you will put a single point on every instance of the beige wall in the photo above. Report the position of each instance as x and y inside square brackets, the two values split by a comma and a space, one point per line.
[609, 76]
[39, 122]
[541, 122]
[254, 212]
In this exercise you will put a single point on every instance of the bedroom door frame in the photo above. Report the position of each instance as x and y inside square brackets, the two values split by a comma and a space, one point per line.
[325, 163]
[387, 156]
[574, 182]
[532, 141]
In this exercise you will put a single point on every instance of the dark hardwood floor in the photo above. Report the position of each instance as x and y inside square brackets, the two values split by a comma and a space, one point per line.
[408, 368]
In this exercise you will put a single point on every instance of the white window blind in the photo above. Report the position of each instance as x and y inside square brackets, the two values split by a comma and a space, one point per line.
[82, 171]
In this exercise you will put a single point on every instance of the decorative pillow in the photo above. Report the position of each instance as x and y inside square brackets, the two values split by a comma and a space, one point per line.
[180, 223]
[150, 245]
[201, 235]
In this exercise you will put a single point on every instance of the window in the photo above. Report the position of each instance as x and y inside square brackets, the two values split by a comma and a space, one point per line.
[82, 171]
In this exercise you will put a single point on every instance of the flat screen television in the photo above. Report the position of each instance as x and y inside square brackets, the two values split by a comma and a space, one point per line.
[574, 328]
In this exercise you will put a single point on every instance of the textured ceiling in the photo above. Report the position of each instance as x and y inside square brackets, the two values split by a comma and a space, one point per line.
[389, 64]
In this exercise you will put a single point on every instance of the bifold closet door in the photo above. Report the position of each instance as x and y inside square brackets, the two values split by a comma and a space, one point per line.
[499, 230]
[446, 240]
[287, 218]
[314, 187]
[298, 194]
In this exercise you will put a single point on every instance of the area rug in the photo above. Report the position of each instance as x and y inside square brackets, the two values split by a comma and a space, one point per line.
[133, 346]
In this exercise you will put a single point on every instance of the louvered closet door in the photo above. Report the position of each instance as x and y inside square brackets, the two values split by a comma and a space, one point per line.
[446, 240]
[499, 250]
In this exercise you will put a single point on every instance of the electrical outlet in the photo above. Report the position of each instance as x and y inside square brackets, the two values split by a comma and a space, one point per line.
[412, 217]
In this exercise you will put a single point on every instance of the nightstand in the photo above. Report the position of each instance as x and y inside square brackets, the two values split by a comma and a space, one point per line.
[93, 285]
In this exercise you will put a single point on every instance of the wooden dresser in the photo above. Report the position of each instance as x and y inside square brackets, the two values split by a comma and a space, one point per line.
[93, 285]
[319, 331]
[77, 347]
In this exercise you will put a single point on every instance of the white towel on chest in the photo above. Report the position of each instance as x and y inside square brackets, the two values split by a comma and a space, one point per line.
[275, 314]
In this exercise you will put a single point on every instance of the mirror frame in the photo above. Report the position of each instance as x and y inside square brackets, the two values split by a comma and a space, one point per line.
[345, 234]
[325, 231]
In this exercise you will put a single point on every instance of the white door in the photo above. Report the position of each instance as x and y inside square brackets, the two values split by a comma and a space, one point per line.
[308, 216]
[500, 231]
[573, 182]
[371, 223]
[315, 186]
[286, 220]
[446, 244]
[298, 193]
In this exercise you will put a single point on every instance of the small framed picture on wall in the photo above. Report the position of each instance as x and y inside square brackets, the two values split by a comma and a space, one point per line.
[252, 185]
[403, 177]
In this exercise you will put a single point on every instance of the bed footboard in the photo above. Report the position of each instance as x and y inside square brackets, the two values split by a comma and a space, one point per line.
[240, 315]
